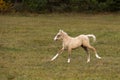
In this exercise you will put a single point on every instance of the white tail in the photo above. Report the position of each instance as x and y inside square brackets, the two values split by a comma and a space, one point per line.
[93, 36]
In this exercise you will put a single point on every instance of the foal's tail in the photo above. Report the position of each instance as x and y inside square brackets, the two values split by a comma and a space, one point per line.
[93, 36]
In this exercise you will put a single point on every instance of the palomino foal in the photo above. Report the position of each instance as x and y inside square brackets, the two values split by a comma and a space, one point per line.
[70, 43]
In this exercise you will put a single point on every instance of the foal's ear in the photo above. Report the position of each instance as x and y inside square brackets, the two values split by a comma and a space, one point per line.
[60, 30]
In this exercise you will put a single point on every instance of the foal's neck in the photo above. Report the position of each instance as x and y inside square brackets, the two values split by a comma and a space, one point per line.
[66, 37]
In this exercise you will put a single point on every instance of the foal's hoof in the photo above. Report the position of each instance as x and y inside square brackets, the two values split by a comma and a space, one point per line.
[99, 58]
[51, 60]
[88, 61]
[68, 61]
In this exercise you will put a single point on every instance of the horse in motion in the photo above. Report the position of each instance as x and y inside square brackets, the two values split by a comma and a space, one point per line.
[71, 43]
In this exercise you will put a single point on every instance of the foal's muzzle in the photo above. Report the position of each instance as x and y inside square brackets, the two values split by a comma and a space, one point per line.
[55, 39]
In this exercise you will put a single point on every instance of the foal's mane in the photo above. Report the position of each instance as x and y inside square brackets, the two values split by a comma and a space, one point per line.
[64, 33]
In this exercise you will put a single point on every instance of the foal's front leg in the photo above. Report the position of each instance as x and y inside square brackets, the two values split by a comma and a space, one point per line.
[59, 52]
[69, 54]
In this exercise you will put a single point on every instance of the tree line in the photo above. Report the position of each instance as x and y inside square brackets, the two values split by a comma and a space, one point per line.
[40, 6]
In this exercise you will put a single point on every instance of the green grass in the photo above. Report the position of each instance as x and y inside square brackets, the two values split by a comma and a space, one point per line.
[26, 47]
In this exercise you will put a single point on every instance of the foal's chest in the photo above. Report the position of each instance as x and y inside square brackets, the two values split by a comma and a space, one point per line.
[65, 44]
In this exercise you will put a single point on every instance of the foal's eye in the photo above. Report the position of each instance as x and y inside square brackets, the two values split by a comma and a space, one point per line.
[58, 35]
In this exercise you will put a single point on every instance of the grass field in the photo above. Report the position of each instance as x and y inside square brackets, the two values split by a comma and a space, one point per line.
[26, 47]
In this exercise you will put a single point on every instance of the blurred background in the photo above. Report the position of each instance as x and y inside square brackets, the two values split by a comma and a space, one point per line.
[49, 6]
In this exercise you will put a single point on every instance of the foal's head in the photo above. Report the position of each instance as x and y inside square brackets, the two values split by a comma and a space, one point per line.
[60, 35]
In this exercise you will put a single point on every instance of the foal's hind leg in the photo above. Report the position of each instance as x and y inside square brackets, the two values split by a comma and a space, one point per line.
[90, 47]
[86, 49]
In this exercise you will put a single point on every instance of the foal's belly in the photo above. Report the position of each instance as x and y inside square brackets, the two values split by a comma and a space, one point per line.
[75, 43]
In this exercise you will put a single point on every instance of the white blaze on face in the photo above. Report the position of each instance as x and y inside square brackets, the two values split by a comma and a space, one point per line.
[55, 38]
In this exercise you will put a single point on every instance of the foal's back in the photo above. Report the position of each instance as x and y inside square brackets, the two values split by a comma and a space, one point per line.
[78, 41]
